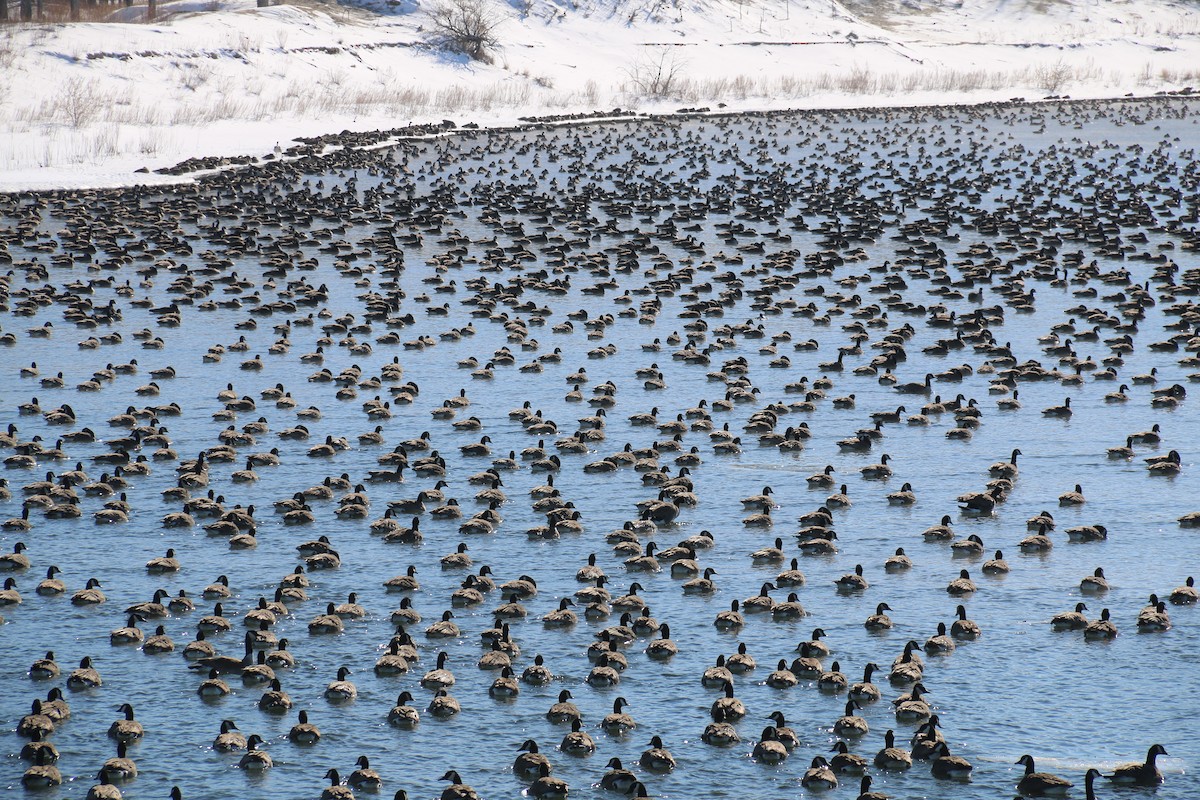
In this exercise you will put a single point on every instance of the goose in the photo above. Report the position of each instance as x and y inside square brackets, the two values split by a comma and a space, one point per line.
[163, 564]
[327, 623]
[1062, 412]
[850, 724]
[1186, 594]
[255, 759]
[1087, 533]
[1074, 498]
[879, 621]
[529, 763]
[1005, 469]
[729, 707]
[341, 690]
[852, 582]
[845, 762]
[941, 642]
[819, 776]
[769, 749]
[907, 667]
[865, 793]
[832, 681]
[37, 722]
[335, 790]
[457, 790]
[85, 677]
[403, 715]
[1040, 784]
[947, 766]
[940, 532]
[42, 774]
[547, 786]
[1096, 583]
[617, 778]
[229, 739]
[1100, 629]
[1153, 618]
[864, 691]
[1145, 773]
[657, 758]
[439, 677]
[912, 707]
[44, 668]
[9, 595]
[898, 562]
[961, 585]
[577, 742]
[275, 700]
[663, 647]
[761, 602]
[51, 586]
[364, 777]
[880, 471]
[16, 560]
[127, 729]
[891, 757]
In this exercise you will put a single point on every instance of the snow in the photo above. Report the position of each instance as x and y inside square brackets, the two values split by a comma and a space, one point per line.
[89, 104]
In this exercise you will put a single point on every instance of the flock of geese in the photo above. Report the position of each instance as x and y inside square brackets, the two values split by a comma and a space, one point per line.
[335, 281]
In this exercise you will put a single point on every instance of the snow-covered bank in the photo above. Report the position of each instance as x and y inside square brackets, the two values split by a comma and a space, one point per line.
[91, 104]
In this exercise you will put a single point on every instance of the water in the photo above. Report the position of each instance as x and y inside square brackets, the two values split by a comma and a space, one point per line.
[1019, 688]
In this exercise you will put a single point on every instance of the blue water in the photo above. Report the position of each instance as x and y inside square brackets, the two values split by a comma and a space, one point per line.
[1020, 688]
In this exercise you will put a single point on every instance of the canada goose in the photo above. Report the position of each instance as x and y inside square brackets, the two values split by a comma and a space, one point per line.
[879, 621]
[439, 677]
[845, 762]
[577, 742]
[961, 585]
[1096, 583]
[42, 774]
[1154, 617]
[769, 749]
[255, 759]
[16, 560]
[891, 757]
[1100, 629]
[50, 585]
[833, 680]
[907, 668]
[404, 715]
[940, 532]
[341, 690]
[163, 564]
[457, 790]
[819, 776]
[1140, 774]
[864, 691]
[947, 766]
[849, 724]
[1186, 594]
[364, 777]
[335, 790]
[44, 668]
[852, 582]
[617, 778]
[941, 642]
[275, 700]
[127, 729]
[657, 758]
[85, 677]
[230, 738]
[1040, 784]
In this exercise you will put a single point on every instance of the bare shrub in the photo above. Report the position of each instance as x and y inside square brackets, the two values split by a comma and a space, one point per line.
[77, 103]
[1051, 78]
[656, 72]
[467, 27]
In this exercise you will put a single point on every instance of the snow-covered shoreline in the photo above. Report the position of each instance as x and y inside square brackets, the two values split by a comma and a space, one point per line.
[93, 105]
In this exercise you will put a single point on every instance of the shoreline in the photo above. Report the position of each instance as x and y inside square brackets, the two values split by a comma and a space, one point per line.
[184, 173]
